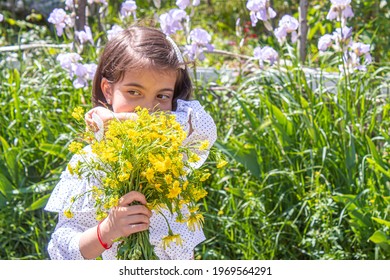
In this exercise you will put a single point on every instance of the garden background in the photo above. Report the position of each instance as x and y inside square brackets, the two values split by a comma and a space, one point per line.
[306, 135]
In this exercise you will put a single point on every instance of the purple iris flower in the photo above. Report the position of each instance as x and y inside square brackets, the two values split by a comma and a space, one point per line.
[171, 22]
[265, 54]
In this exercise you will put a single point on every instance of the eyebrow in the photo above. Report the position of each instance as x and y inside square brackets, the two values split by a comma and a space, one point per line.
[142, 87]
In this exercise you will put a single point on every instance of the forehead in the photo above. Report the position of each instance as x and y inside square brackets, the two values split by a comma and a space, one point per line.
[150, 76]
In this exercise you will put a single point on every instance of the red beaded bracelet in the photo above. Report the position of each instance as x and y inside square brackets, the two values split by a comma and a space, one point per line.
[105, 246]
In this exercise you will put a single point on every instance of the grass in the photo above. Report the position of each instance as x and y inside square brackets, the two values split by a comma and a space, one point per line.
[315, 169]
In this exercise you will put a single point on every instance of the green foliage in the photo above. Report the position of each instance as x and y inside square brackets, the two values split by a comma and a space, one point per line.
[315, 165]
[35, 128]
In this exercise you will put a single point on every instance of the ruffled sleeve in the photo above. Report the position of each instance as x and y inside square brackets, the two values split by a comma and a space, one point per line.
[192, 116]
[71, 185]
[64, 242]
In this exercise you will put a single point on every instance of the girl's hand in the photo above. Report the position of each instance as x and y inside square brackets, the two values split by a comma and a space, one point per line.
[105, 114]
[124, 220]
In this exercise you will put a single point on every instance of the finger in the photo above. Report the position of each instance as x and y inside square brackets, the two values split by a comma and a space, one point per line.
[89, 114]
[136, 228]
[131, 197]
[137, 219]
[138, 209]
[132, 116]
[88, 118]
[91, 125]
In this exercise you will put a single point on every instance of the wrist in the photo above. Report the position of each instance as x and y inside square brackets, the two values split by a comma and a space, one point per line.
[104, 235]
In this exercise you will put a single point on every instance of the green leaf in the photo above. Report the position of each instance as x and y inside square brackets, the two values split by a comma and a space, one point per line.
[379, 167]
[347, 199]
[304, 102]
[373, 150]
[6, 186]
[236, 192]
[362, 219]
[351, 154]
[243, 155]
[248, 113]
[379, 237]
[16, 96]
[11, 161]
[313, 31]
[40, 203]
[42, 186]
[3, 202]
[382, 222]
[4, 144]
[17, 78]
[281, 122]
[53, 149]
[282, 119]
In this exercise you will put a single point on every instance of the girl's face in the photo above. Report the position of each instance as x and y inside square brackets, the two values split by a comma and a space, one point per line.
[146, 88]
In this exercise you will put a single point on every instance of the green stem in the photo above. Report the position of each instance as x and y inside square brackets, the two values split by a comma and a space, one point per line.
[195, 80]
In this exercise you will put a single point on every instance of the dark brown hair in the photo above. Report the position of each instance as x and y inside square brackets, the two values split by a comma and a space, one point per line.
[139, 47]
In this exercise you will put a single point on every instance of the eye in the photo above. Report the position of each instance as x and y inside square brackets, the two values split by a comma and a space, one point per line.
[133, 92]
[164, 96]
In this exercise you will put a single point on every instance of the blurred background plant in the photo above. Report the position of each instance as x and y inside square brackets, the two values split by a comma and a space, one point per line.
[307, 137]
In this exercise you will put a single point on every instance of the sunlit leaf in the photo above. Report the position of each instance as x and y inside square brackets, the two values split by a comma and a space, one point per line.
[40, 203]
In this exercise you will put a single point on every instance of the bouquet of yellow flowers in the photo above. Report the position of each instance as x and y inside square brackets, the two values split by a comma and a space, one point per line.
[144, 155]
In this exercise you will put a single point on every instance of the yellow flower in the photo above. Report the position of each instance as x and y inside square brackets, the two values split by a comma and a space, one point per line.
[176, 184]
[97, 147]
[114, 129]
[199, 194]
[159, 163]
[168, 179]
[131, 133]
[77, 169]
[194, 221]
[180, 219]
[175, 172]
[175, 190]
[108, 154]
[167, 240]
[158, 187]
[100, 215]
[193, 209]
[112, 202]
[194, 158]
[68, 214]
[78, 113]
[204, 145]
[160, 166]
[123, 177]
[70, 169]
[204, 177]
[96, 192]
[88, 136]
[127, 166]
[149, 174]
[185, 184]
[168, 163]
[75, 147]
[108, 182]
[222, 163]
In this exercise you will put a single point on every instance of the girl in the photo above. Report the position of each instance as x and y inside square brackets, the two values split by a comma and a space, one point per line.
[139, 67]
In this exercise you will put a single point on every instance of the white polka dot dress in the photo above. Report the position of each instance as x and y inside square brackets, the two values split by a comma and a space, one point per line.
[64, 242]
